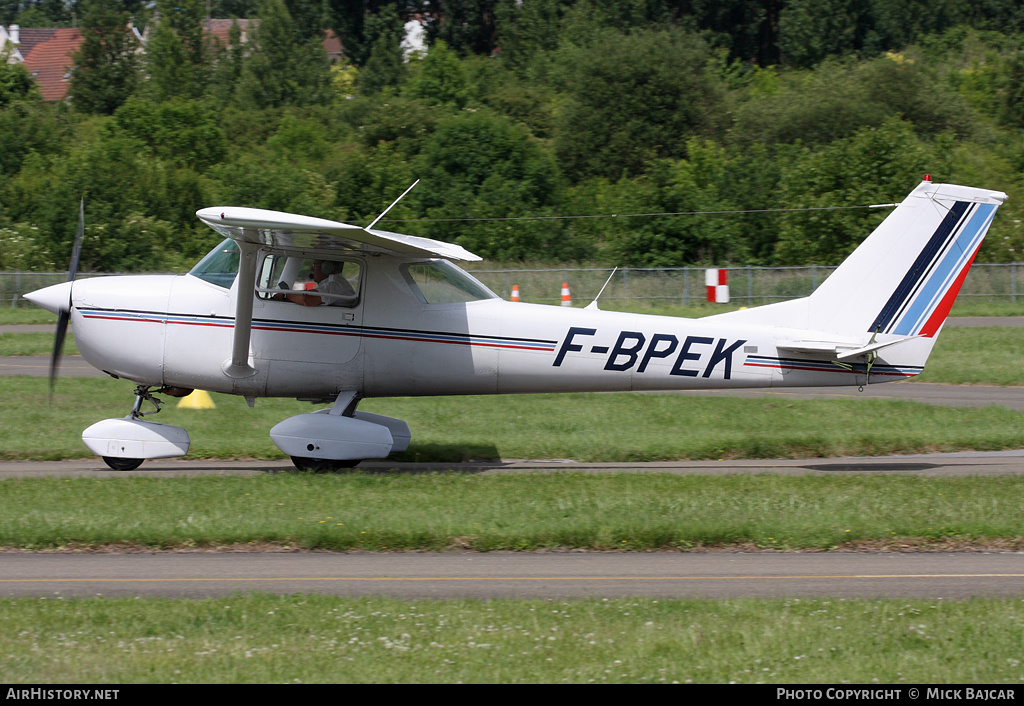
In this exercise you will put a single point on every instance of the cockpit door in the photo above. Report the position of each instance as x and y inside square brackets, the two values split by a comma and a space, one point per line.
[327, 333]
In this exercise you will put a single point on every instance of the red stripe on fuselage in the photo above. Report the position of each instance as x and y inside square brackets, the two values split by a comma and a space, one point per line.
[328, 333]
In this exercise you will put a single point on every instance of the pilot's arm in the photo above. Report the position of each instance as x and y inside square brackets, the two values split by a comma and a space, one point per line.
[342, 286]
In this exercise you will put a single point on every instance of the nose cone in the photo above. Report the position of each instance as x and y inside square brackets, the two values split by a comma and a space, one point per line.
[56, 298]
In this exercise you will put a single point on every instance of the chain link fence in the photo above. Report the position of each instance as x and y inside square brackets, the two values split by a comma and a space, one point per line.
[748, 286]
[14, 284]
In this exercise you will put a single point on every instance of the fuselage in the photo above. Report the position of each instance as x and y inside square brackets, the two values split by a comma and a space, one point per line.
[177, 331]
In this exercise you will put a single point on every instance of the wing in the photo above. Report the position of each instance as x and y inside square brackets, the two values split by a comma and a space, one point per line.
[289, 231]
[253, 228]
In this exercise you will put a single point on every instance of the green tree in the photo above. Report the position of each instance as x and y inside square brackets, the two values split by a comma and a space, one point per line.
[440, 79]
[749, 28]
[838, 98]
[27, 127]
[226, 66]
[183, 132]
[811, 30]
[467, 26]
[874, 165]
[106, 64]
[697, 184]
[234, 8]
[170, 73]
[632, 98]
[36, 13]
[360, 23]
[479, 165]
[16, 82]
[282, 70]
[139, 209]
[177, 54]
[309, 17]
[1012, 112]
[385, 66]
[526, 29]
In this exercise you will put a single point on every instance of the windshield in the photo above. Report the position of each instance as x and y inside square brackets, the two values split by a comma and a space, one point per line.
[440, 282]
[220, 266]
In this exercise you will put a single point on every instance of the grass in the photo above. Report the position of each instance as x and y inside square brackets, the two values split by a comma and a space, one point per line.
[522, 512]
[977, 356]
[33, 344]
[25, 315]
[264, 639]
[586, 427]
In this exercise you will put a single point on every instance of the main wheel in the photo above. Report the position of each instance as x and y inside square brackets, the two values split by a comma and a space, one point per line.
[123, 464]
[321, 465]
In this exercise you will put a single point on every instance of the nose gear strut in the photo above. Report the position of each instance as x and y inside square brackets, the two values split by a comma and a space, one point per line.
[142, 394]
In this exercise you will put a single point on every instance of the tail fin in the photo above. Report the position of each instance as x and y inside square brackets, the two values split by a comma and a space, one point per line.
[902, 280]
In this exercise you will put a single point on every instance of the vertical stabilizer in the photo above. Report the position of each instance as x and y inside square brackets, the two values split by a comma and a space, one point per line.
[902, 280]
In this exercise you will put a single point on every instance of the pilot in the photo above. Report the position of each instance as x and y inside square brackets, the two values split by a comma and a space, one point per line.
[329, 280]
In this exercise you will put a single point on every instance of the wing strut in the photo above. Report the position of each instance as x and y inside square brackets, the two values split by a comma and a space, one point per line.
[238, 365]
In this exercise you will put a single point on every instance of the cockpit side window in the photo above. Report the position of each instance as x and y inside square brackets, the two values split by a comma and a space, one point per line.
[289, 273]
[440, 282]
[220, 266]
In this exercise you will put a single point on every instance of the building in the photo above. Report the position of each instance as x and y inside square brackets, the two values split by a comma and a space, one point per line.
[46, 53]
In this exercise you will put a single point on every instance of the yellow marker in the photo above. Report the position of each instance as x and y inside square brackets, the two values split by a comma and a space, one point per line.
[199, 399]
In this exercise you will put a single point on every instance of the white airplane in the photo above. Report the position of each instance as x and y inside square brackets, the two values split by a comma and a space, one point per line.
[393, 316]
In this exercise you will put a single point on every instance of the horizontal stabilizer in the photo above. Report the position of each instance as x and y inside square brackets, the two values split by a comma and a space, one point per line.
[874, 347]
[292, 232]
[804, 346]
[842, 350]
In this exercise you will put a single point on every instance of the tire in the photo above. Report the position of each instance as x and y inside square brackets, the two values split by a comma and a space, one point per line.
[321, 465]
[123, 464]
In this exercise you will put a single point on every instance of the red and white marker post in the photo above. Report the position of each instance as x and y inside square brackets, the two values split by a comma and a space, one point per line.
[717, 281]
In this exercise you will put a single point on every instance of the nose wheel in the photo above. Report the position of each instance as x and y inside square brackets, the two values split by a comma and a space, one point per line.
[125, 443]
[123, 464]
[322, 465]
[142, 394]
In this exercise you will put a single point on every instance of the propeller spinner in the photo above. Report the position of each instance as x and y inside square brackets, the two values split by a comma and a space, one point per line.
[57, 298]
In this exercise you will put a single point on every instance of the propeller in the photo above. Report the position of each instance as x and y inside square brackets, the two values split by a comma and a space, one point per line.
[64, 315]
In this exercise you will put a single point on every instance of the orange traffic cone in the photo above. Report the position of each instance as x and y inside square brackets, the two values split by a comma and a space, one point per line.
[566, 299]
[515, 292]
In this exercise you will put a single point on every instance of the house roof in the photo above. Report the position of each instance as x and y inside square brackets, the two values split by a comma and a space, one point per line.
[333, 46]
[47, 52]
[219, 29]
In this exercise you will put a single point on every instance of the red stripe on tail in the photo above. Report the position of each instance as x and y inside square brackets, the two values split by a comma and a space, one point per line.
[938, 316]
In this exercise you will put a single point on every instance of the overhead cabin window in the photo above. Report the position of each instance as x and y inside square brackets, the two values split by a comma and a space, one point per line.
[220, 266]
[441, 282]
[296, 274]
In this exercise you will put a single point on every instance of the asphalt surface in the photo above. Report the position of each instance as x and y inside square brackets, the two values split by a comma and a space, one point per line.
[518, 575]
[37, 366]
[966, 463]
